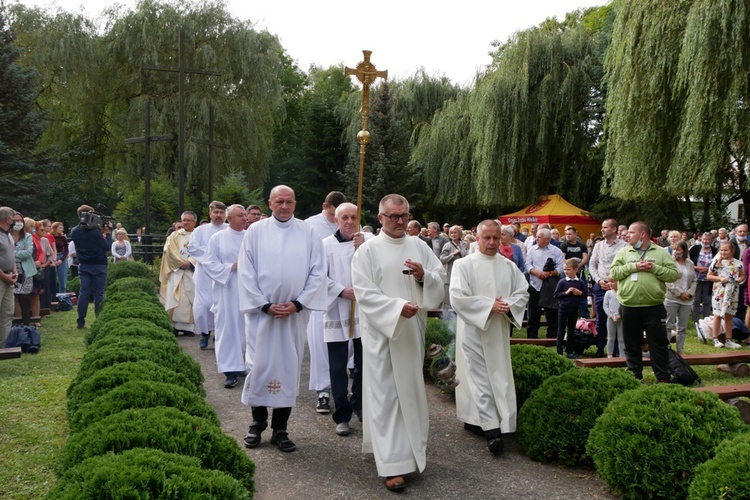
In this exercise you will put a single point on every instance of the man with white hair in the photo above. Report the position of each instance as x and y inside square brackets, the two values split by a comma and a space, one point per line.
[202, 315]
[544, 263]
[220, 266]
[489, 294]
[8, 272]
[437, 240]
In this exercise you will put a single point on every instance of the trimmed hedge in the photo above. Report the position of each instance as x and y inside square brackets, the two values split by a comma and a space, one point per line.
[145, 474]
[437, 332]
[555, 422]
[142, 394]
[132, 283]
[166, 429]
[128, 327]
[725, 475]
[128, 269]
[532, 365]
[136, 294]
[135, 309]
[108, 378]
[649, 441]
[166, 354]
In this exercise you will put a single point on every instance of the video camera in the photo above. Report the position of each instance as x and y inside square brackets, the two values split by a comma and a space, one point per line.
[93, 220]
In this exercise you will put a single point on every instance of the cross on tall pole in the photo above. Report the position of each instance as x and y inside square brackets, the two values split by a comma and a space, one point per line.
[211, 143]
[366, 73]
[147, 139]
[183, 71]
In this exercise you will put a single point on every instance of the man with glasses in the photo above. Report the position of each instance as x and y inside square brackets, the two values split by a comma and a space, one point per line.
[254, 214]
[396, 280]
[176, 277]
[8, 273]
[320, 380]
[599, 269]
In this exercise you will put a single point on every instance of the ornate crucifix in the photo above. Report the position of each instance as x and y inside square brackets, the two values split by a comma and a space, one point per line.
[366, 73]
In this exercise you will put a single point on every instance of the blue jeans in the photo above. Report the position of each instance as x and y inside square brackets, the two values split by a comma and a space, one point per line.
[93, 278]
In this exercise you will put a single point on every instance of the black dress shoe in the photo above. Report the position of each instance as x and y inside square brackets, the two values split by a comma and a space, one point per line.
[252, 439]
[474, 428]
[495, 445]
[281, 439]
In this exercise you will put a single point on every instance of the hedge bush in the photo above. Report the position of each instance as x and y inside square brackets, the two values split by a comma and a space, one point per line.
[437, 332]
[128, 327]
[649, 441]
[166, 429]
[532, 365]
[135, 294]
[74, 285]
[142, 394]
[555, 422]
[108, 378]
[128, 269]
[725, 475]
[168, 355]
[145, 474]
[136, 309]
[133, 283]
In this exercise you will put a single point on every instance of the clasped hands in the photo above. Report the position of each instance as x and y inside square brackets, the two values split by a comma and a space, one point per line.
[644, 265]
[500, 306]
[282, 310]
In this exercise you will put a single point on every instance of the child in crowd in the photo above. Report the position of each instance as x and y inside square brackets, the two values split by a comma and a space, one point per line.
[570, 292]
[726, 273]
[614, 320]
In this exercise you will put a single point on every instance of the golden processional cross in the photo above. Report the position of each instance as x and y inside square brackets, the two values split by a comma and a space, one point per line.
[366, 73]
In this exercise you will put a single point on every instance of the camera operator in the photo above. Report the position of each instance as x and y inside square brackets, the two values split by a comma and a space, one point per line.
[91, 248]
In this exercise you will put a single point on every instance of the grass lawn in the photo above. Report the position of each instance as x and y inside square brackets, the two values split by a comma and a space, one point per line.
[32, 408]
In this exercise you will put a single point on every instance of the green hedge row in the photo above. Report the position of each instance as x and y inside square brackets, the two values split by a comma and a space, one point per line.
[128, 327]
[132, 308]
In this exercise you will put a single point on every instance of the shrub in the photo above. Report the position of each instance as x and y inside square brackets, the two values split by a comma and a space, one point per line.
[437, 332]
[145, 473]
[168, 355]
[132, 309]
[648, 442]
[133, 283]
[142, 394]
[108, 378]
[126, 269]
[128, 327]
[532, 365]
[74, 285]
[166, 429]
[556, 420]
[725, 475]
[135, 294]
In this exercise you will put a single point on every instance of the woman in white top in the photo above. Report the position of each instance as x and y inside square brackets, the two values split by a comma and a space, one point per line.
[679, 299]
[121, 249]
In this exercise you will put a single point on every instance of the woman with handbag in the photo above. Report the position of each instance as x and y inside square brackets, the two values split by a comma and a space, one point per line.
[25, 264]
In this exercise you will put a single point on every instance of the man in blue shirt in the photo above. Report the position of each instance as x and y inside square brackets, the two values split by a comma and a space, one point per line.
[91, 248]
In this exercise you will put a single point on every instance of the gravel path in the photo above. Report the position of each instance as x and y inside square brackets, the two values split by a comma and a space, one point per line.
[329, 466]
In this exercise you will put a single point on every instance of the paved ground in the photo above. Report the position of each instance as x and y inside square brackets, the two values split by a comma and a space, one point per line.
[329, 466]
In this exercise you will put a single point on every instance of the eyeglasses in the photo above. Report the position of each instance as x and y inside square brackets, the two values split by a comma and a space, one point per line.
[398, 217]
[252, 214]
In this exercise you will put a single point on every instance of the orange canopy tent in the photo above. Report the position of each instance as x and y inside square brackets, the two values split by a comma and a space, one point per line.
[554, 210]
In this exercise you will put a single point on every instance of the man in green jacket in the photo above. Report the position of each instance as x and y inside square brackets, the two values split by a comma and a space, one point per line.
[642, 270]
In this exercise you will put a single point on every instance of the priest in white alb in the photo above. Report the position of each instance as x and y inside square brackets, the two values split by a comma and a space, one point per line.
[176, 277]
[396, 281]
[202, 315]
[282, 277]
[489, 294]
[220, 266]
[320, 381]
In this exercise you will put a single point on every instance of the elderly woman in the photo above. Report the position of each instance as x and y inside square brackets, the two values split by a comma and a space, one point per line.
[672, 238]
[24, 253]
[509, 248]
[679, 298]
[451, 252]
[61, 263]
[121, 249]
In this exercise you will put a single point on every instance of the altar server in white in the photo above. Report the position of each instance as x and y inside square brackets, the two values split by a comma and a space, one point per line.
[339, 331]
[202, 315]
[320, 380]
[396, 281]
[489, 294]
[282, 277]
[220, 266]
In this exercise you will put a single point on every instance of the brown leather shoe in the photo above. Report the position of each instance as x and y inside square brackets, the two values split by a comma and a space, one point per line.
[394, 483]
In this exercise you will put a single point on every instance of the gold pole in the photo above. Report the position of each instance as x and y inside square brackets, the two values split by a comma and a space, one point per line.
[366, 73]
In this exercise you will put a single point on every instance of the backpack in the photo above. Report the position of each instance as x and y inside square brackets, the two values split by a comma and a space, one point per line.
[25, 337]
[63, 302]
[680, 371]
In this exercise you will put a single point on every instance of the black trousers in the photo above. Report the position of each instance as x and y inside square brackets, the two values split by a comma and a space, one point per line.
[652, 320]
[535, 317]
[566, 320]
[279, 418]
[338, 357]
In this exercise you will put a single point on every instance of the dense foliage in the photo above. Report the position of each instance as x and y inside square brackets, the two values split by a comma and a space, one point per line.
[134, 309]
[649, 441]
[725, 475]
[128, 327]
[128, 269]
[132, 283]
[532, 365]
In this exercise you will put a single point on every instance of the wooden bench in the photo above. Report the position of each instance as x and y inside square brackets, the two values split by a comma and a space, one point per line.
[10, 352]
[727, 391]
[692, 359]
[542, 341]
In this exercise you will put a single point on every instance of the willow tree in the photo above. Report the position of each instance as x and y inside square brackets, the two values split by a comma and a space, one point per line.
[713, 73]
[643, 109]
